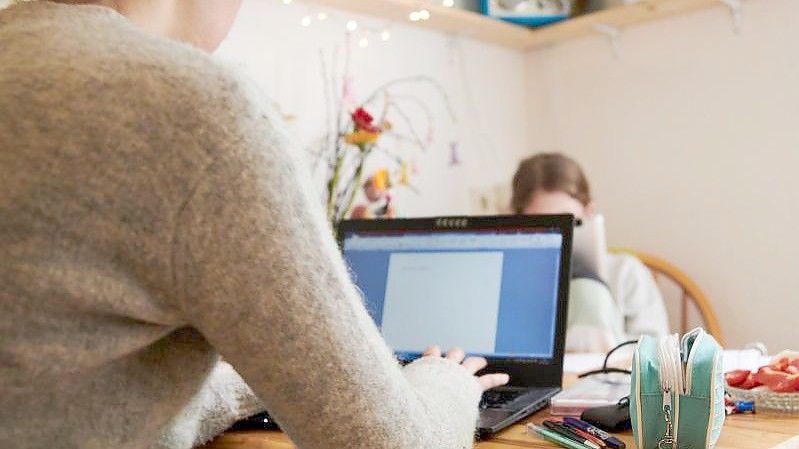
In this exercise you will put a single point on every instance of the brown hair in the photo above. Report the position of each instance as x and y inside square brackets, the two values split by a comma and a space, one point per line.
[551, 172]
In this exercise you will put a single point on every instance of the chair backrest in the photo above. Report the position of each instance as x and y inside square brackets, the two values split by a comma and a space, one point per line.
[688, 292]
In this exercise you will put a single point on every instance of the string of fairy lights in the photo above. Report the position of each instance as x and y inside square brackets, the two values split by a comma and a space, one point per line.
[418, 14]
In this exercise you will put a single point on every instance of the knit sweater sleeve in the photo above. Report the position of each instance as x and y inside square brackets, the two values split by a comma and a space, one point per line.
[259, 274]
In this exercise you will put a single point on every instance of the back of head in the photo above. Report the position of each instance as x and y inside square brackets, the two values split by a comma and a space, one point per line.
[550, 172]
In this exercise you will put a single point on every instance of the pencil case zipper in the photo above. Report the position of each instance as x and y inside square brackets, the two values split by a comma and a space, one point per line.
[675, 360]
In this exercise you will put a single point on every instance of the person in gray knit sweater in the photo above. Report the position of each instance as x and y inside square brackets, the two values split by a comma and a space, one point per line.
[153, 219]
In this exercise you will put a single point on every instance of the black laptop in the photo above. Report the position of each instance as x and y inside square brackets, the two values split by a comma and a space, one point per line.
[507, 278]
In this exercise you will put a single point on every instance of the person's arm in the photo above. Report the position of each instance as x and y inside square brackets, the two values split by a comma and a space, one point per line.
[595, 323]
[645, 310]
[222, 400]
[260, 276]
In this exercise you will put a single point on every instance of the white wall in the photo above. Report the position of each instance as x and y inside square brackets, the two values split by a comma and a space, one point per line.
[486, 85]
[691, 141]
[690, 138]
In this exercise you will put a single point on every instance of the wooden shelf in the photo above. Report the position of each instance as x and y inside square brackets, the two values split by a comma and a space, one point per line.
[476, 26]
[447, 20]
[619, 17]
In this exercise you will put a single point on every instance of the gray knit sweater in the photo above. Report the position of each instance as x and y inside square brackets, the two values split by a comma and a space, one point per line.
[152, 218]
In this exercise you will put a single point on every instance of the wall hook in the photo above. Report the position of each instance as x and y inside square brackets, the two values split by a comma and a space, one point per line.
[613, 35]
[735, 12]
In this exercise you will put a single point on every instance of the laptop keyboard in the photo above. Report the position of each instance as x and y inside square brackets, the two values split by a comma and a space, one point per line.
[508, 398]
[499, 398]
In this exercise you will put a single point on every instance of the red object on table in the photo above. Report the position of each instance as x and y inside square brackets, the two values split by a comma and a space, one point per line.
[781, 376]
[737, 377]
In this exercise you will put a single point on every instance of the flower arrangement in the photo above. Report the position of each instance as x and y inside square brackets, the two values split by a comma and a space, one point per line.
[386, 131]
[356, 134]
[363, 135]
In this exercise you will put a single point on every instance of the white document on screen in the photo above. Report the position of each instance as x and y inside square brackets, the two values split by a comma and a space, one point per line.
[444, 298]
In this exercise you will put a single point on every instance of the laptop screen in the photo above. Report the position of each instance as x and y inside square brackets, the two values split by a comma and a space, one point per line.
[492, 292]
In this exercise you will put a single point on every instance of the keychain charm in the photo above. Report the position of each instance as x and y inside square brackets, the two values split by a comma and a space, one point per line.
[667, 442]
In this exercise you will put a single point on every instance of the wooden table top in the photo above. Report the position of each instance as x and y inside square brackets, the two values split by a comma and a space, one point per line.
[740, 432]
[756, 431]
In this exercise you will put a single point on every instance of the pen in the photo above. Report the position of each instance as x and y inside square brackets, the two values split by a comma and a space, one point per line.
[593, 438]
[569, 433]
[607, 438]
[555, 437]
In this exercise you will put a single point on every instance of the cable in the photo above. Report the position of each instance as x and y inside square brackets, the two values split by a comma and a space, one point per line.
[605, 369]
[616, 348]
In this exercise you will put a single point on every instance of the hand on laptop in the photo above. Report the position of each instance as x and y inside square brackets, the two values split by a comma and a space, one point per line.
[472, 365]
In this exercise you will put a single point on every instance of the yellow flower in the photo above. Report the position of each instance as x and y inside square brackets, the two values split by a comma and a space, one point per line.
[404, 178]
[380, 180]
[361, 137]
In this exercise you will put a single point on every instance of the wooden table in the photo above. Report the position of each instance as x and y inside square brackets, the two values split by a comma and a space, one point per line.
[760, 431]
[740, 432]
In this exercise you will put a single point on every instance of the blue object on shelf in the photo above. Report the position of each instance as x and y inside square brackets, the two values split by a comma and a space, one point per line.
[534, 21]
[523, 20]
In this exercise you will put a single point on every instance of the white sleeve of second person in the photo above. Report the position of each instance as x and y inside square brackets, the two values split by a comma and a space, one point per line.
[638, 296]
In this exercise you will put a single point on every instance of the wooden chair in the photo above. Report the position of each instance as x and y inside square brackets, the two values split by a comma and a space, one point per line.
[689, 291]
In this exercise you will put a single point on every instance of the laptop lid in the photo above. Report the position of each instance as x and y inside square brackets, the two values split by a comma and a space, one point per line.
[495, 286]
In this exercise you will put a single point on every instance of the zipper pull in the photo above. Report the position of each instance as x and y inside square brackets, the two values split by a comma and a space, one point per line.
[667, 442]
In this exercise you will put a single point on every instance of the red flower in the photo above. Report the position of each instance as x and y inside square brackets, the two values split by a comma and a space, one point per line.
[363, 121]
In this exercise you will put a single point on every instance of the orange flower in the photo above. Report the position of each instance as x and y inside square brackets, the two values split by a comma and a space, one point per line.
[361, 137]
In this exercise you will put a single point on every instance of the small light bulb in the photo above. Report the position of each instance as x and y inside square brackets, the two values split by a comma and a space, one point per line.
[424, 14]
[306, 21]
[448, 3]
[385, 35]
[286, 2]
[364, 42]
[352, 25]
[321, 16]
[414, 16]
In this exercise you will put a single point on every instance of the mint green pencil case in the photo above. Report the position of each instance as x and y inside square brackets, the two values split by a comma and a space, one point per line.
[677, 392]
